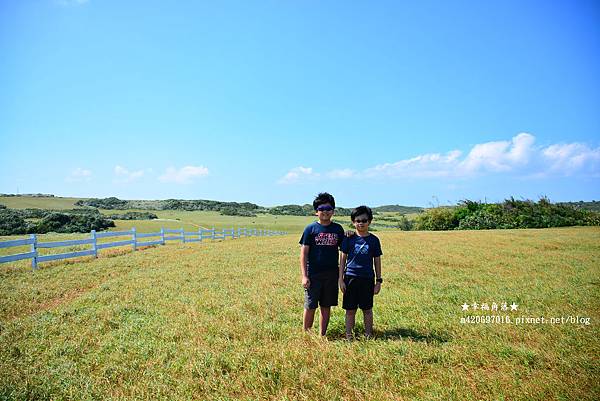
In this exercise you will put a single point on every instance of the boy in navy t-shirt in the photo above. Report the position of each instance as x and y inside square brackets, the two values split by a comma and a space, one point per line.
[357, 280]
[319, 257]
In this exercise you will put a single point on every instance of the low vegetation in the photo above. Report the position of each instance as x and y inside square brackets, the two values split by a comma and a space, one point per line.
[39, 221]
[511, 213]
[133, 216]
[168, 204]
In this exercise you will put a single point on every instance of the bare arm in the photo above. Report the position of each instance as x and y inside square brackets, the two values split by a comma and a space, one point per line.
[377, 262]
[343, 258]
[303, 265]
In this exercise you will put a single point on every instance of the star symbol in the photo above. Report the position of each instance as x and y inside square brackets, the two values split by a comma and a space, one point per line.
[465, 306]
[513, 306]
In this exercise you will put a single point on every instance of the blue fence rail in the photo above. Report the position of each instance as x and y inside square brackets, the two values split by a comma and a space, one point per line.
[157, 238]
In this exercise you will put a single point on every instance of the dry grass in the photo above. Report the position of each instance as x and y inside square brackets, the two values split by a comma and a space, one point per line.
[222, 321]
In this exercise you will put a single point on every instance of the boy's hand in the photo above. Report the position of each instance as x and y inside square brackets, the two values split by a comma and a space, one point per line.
[377, 288]
[305, 282]
[342, 285]
[349, 233]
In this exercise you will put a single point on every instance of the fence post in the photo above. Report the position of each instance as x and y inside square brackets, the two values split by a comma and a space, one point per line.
[200, 234]
[94, 245]
[162, 235]
[213, 233]
[182, 235]
[134, 238]
[34, 249]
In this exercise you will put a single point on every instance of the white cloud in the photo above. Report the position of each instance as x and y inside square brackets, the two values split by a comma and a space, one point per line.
[516, 155]
[566, 159]
[427, 165]
[79, 175]
[125, 176]
[498, 156]
[298, 174]
[184, 175]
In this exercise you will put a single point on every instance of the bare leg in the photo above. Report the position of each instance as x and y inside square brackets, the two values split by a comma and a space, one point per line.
[368, 316]
[325, 313]
[350, 318]
[308, 318]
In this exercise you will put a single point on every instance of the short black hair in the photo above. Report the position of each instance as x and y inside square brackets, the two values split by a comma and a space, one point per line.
[322, 199]
[362, 210]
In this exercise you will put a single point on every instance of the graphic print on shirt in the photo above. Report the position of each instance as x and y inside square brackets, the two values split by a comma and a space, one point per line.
[326, 239]
[361, 249]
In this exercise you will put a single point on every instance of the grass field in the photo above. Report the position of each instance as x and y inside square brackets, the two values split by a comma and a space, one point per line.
[196, 219]
[24, 202]
[222, 320]
[175, 219]
[189, 220]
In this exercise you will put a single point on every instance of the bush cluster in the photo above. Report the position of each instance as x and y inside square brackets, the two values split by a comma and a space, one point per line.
[72, 223]
[133, 216]
[13, 221]
[231, 211]
[225, 208]
[106, 203]
[243, 208]
[512, 213]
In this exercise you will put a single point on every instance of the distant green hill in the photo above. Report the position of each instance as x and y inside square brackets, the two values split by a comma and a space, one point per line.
[398, 209]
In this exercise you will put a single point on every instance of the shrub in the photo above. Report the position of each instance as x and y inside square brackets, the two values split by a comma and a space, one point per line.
[231, 211]
[133, 216]
[71, 223]
[436, 219]
[106, 203]
[12, 223]
[291, 210]
[405, 224]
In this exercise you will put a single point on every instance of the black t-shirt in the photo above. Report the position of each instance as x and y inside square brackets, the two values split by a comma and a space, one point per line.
[324, 242]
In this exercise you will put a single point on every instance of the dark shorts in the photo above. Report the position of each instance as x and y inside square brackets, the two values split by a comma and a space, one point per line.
[323, 290]
[359, 292]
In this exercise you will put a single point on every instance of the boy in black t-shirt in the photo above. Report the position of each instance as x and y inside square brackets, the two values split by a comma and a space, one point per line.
[357, 280]
[319, 262]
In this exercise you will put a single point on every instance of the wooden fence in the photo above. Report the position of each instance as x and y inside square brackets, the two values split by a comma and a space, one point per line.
[158, 238]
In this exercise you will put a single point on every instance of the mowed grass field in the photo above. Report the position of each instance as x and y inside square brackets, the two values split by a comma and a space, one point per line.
[222, 320]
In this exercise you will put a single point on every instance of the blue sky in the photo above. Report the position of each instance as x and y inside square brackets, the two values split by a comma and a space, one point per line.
[274, 101]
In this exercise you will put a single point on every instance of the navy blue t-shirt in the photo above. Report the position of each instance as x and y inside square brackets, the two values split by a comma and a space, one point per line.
[324, 242]
[361, 251]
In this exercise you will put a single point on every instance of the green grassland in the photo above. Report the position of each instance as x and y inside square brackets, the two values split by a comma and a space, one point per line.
[195, 219]
[34, 202]
[175, 219]
[222, 320]
[192, 220]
